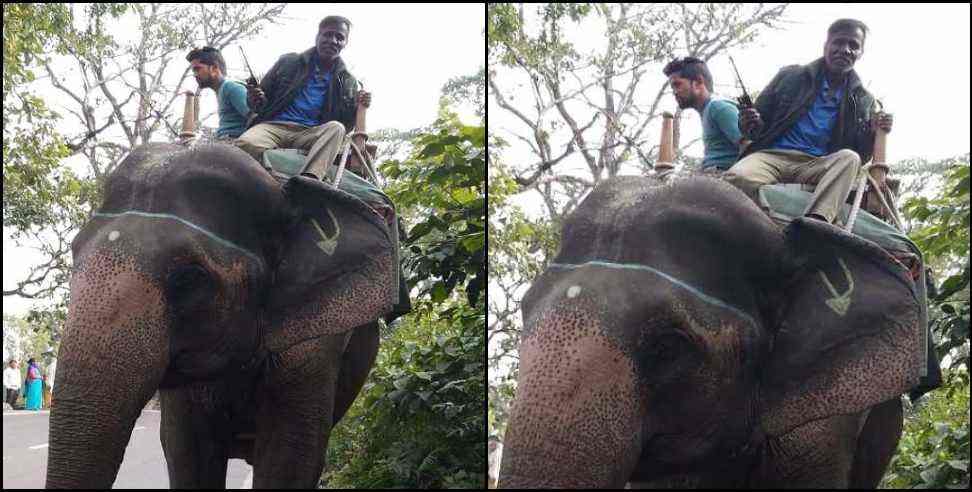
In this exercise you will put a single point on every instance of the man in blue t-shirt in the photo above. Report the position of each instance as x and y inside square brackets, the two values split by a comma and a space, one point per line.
[209, 69]
[692, 84]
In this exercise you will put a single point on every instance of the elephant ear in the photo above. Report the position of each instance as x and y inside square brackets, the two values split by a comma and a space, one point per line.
[848, 336]
[337, 266]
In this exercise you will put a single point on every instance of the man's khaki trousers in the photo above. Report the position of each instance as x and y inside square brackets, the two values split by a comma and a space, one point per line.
[834, 175]
[321, 142]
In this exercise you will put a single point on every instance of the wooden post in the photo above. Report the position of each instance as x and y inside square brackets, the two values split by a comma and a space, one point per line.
[189, 116]
[666, 150]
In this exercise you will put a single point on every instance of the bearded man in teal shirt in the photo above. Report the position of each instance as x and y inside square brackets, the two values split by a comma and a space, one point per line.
[691, 82]
[209, 70]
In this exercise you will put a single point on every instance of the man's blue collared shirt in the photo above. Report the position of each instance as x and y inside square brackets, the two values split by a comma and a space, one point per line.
[811, 133]
[307, 107]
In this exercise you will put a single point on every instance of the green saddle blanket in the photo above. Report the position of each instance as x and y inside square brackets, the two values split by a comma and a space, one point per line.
[786, 203]
[289, 162]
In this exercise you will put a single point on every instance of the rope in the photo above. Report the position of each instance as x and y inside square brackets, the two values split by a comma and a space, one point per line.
[892, 208]
[362, 156]
[344, 162]
[867, 178]
[864, 172]
[366, 161]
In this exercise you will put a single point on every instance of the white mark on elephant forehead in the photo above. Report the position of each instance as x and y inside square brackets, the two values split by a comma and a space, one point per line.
[573, 291]
[113, 235]
[633, 266]
[210, 235]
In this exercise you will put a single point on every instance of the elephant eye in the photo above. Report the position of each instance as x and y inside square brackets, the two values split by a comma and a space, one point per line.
[665, 347]
[189, 286]
[664, 351]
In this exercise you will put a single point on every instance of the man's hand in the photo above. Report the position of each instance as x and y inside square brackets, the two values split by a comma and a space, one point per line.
[749, 122]
[883, 121]
[364, 98]
[255, 97]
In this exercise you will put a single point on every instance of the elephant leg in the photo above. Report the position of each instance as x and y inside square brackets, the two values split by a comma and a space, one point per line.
[877, 444]
[356, 363]
[294, 413]
[818, 454]
[193, 441]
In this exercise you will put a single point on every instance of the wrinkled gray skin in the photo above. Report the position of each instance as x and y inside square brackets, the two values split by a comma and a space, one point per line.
[196, 262]
[681, 339]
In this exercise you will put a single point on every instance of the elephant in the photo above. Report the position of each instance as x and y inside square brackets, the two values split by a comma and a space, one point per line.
[249, 303]
[681, 338]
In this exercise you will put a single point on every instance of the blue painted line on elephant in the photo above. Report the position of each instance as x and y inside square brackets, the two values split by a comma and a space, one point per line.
[634, 266]
[185, 222]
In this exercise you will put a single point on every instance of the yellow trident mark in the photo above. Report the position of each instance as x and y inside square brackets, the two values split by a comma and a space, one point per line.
[840, 303]
[328, 244]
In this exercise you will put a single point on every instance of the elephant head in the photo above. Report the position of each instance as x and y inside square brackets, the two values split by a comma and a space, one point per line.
[680, 332]
[197, 262]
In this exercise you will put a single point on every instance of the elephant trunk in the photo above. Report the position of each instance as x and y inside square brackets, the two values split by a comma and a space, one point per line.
[113, 355]
[576, 421]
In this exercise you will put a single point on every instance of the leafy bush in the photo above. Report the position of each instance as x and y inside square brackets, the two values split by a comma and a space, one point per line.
[418, 422]
[934, 448]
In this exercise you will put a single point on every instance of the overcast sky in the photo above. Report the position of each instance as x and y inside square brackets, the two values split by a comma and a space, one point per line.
[403, 53]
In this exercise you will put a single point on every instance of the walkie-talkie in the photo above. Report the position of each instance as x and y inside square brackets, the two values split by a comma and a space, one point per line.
[744, 100]
[252, 81]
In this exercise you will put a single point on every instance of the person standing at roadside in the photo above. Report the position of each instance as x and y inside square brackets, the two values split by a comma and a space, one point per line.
[11, 382]
[50, 378]
[35, 386]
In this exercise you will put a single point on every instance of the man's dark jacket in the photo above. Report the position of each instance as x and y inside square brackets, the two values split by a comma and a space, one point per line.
[791, 93]
[287, 77]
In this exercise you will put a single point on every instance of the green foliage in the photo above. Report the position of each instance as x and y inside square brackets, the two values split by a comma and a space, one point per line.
[510, 45]
[30, 30]
[42, 198]
[467, 89]
[418, 422]
[36, 192]
[934, 449]
[947, 215]
[444, 182]
[24, 339]
[945, 235]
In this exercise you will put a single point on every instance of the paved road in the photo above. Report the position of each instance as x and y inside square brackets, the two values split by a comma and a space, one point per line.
[25, 454]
